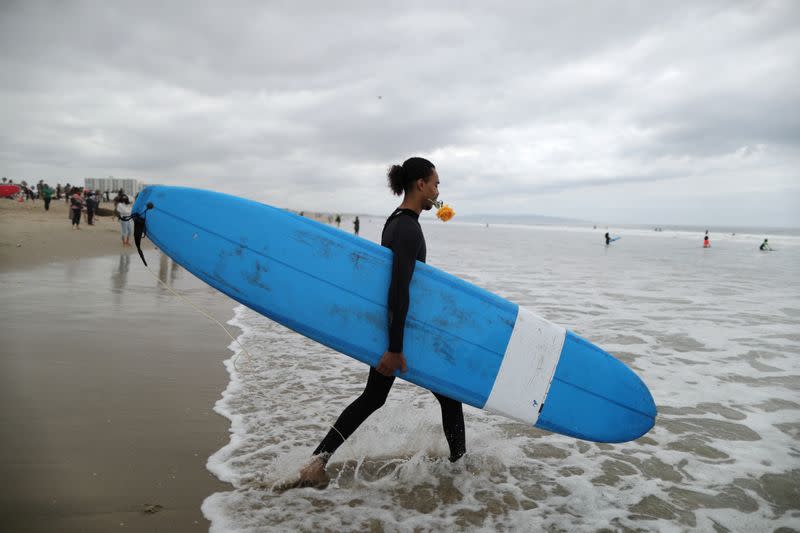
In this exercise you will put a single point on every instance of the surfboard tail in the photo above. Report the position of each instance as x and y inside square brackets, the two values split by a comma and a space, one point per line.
[594, 396]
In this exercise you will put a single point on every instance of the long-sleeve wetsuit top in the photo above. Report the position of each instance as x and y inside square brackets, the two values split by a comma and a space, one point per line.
[402, 234]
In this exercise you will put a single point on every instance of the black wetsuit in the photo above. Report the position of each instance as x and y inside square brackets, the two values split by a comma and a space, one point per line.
[403, 235]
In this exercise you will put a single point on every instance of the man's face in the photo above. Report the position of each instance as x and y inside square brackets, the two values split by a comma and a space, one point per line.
[430, 190]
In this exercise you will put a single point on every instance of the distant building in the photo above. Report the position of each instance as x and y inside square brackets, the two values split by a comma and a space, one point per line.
[130, 186]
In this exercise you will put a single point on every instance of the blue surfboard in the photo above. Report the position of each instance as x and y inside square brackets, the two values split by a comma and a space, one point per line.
[460, 340]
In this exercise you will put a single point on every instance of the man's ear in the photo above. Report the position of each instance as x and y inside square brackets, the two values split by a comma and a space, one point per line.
[420, 184]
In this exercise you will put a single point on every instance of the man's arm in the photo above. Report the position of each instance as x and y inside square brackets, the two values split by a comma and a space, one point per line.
[405, 251]
[403, 263]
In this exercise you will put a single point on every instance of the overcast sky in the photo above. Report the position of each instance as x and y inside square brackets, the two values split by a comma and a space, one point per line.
[621, 112]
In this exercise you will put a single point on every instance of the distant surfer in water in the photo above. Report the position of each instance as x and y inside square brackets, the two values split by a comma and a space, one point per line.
[608, 239]
[417, 180]
[706, 242]
[765, 246]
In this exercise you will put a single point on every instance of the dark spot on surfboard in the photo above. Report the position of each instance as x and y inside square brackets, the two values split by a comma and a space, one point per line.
[441, 322]
[378, 319]
[457, 317]
[319, 244]
[443, 349]
[375, 318]
[356, 259]
[221, 281]
[256, 277]
[338, 310]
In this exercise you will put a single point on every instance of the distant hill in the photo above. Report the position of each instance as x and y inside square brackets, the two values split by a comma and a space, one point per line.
[525, 220]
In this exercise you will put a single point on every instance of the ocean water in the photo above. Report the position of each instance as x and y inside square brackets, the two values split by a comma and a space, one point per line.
[715, 333]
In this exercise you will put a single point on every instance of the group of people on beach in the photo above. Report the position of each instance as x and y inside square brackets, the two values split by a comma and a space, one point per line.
[88, 201]
[80, 200]
[46, 193]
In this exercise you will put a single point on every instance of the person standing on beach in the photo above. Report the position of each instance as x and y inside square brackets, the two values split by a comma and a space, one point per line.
[706, 242]
[123, 209]
[118, 198]
[356, 225]
[608, 239]
[91, 206]
[418, 182]
[338, 220]
[27, 191]
[47, 195]
[76, 204]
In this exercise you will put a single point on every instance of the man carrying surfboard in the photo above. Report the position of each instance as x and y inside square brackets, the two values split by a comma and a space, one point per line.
[418, 182]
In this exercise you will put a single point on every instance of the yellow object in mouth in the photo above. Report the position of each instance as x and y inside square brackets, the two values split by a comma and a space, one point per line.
[445, 212]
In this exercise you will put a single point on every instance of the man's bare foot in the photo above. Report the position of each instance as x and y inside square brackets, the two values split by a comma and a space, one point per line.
[313, 474]
[314, 471]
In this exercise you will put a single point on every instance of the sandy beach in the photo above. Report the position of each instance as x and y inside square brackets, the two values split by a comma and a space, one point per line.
[29, 235]
[108, 381]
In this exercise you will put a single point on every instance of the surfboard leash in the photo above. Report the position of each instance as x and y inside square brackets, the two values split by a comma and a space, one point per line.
[205, 314]
[139, 228]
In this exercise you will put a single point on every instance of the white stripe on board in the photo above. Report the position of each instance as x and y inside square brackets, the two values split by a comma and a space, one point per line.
[528, 365]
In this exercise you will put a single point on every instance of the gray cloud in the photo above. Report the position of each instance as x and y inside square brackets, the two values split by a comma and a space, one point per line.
[535, 107]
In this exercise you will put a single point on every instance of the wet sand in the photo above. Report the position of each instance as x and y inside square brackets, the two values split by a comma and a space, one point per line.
[107, 381]
[107, 387]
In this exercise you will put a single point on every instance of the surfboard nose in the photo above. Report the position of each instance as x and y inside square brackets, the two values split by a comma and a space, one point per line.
[139, 205]
[594, 396]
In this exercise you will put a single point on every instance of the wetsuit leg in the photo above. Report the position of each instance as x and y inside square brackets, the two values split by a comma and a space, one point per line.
[372, 399]
[453, 425]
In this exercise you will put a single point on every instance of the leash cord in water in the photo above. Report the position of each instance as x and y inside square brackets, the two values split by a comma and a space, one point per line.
[205, 314]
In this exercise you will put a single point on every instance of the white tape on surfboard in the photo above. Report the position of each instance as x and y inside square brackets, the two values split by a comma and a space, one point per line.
[521, 385]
